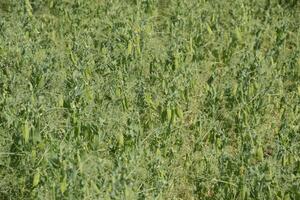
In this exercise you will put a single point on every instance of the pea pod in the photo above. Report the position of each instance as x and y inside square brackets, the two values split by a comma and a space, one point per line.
[26, 131]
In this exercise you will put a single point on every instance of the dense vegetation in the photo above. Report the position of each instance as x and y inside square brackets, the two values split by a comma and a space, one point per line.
[150, 99]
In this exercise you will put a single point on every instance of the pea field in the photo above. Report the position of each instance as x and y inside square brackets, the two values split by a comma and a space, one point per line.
[150, 99]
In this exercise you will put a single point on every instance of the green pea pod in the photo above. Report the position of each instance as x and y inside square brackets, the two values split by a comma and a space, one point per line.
[26, 131]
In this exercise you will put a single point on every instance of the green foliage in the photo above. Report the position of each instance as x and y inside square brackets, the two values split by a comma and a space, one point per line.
[149, 99]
